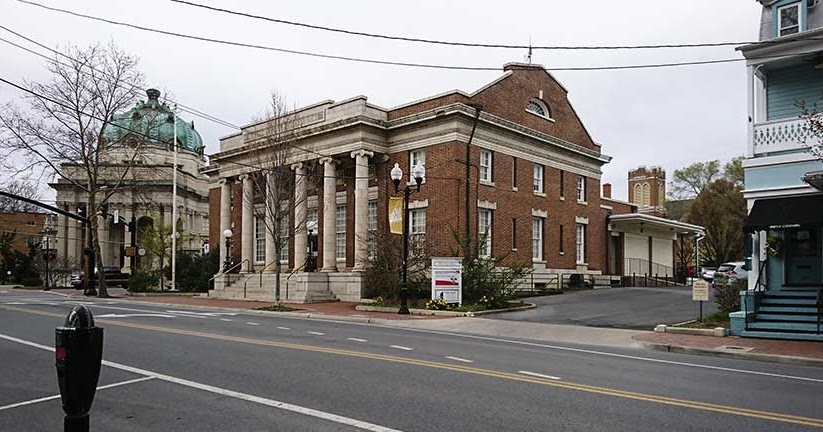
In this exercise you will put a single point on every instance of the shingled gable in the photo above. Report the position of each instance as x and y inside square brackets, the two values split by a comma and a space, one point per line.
[508, 96]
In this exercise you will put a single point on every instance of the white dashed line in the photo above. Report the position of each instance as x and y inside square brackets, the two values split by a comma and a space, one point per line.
[535, 374]
[252, 323]
[315, 333]
[34, 401]
[284, 328]
[401, 347]
[357, 340]
[460, 359]
[226, 319]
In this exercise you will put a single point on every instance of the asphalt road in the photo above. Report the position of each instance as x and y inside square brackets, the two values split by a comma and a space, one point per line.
[177, 369]
[631, 308]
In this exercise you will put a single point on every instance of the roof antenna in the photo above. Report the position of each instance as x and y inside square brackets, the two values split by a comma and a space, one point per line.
[528, 56]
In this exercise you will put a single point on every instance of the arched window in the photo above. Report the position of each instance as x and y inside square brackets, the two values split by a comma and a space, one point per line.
[647, 199]
[638, 194]
[537, 106]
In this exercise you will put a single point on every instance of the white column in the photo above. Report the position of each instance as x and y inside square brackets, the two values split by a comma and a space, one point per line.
[271, 228]
[361, 208]
[103, 239]
[247, 225]
[751, 99]
[300, 205]
[329, 214]
[225, 218]
[126, 241]
[72, 236]
[62, 233]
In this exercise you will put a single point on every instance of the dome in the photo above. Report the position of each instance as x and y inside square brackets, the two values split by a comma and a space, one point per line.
[153, 122]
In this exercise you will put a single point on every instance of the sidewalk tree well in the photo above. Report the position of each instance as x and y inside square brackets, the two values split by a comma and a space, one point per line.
[60, 130]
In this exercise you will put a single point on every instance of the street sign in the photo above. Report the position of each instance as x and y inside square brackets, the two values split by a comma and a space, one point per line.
[700, 290]
[447, 279]
[131, 251]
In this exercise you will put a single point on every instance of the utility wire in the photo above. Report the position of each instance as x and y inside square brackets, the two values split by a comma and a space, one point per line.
[367, 60]
[454, 43]
[188, 109]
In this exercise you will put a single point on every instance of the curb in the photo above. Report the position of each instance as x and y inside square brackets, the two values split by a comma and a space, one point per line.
[772, 358]
[302, 315]
[368, 308]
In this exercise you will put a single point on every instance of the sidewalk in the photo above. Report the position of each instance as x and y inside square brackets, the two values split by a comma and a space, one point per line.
[773, 350]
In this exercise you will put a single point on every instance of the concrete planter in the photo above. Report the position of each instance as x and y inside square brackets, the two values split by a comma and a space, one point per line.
[717, 331]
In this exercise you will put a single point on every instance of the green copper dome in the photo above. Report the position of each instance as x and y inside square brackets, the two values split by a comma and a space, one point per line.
[153, 122]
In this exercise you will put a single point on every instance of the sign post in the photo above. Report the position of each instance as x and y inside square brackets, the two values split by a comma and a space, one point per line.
[700, 292]
[447, 279]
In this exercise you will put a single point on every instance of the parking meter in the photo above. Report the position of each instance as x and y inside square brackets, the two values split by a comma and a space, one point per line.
[78, 353]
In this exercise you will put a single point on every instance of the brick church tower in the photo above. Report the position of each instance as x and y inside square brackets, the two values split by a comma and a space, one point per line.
[647, 189]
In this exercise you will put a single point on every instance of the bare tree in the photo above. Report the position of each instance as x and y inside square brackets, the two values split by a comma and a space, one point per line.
[23, 188]
[274, 142]
[813, 118]
[62, 131]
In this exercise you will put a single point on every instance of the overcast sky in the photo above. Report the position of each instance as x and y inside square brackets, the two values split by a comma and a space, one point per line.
[669, 117]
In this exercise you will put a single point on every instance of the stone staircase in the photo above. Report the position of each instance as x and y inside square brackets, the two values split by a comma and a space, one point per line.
[786, 314]
[294, 288]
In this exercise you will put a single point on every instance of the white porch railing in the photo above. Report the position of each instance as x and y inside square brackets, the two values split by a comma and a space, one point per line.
[779, 135]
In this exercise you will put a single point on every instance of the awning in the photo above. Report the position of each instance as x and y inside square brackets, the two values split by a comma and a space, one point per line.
[789, 212]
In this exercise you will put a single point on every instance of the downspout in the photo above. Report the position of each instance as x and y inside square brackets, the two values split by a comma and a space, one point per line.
[697, 239]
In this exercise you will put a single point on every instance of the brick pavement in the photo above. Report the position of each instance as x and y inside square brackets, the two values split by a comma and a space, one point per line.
[729, 344]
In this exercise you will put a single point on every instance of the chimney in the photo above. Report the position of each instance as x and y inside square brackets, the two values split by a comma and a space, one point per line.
[607, 190]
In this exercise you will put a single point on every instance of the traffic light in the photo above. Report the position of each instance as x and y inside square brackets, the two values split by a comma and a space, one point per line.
[104, 209]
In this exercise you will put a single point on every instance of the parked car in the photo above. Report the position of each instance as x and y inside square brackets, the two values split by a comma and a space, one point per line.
[728, 272]
[707, 273]
[114, 277]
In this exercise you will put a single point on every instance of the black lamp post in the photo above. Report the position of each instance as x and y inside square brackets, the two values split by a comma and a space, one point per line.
[419, 174]
[227, 263]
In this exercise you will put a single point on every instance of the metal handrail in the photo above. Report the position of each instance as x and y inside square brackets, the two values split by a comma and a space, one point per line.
[761, 267]
[226, 272]
[819, 309]
[246, 280]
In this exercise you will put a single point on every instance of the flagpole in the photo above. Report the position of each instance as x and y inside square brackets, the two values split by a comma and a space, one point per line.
[174, 208]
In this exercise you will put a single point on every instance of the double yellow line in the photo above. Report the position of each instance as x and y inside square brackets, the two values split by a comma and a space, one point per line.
[725, 409]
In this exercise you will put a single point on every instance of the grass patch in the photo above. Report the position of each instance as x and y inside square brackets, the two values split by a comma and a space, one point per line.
[717, 319]
[277, 308]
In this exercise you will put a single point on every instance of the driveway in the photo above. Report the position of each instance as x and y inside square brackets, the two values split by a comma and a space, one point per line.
[633, 308]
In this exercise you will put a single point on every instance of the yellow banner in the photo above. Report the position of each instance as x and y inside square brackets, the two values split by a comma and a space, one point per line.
[396, 215]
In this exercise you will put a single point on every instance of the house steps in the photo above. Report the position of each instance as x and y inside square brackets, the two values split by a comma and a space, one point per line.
[786, 314]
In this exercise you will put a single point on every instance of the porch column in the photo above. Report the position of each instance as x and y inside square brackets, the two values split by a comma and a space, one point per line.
[361, 208]
[300, 240]
[750, 96]
[270, 225]
[247, 225]
[329, 215]
[225, 218]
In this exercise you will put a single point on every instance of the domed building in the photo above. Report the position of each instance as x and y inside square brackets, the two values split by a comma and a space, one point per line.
[142, 148]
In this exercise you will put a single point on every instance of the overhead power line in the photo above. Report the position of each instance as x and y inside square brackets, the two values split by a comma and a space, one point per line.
[456, 43]
[367, 60]
[185, 108]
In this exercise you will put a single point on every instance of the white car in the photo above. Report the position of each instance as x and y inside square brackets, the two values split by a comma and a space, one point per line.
[731, 271]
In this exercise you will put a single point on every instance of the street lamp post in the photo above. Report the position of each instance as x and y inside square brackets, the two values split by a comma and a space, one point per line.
[227, 263]
[45, 246]
[419, 174]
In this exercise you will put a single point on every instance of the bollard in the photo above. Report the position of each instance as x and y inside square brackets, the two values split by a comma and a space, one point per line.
[78, 353]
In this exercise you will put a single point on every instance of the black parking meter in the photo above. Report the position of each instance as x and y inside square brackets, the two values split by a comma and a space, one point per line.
[79, 353]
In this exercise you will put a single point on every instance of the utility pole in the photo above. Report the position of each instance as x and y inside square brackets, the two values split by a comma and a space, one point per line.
[467, 246]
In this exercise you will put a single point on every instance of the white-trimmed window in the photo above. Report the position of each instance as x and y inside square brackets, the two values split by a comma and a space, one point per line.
[537, 185]
[340, 232]
[484, 230]
[372, 228]
[417, 229]
[537, 239]
[788, 19]
[283, 232]
[581, 188]
[416, 156]
[259, 240]
[485, 165]
[538, 107]
[581, 243]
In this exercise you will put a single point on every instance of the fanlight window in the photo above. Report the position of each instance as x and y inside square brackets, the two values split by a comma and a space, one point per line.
[536, 106]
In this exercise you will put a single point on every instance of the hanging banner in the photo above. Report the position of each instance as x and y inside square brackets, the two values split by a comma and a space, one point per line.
[396, 215]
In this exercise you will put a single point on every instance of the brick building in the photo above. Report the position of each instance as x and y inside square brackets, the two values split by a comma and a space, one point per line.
[534, 185]
[647, 190]
[25, 227]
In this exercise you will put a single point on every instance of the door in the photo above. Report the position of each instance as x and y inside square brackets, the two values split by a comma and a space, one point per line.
[803, 257]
